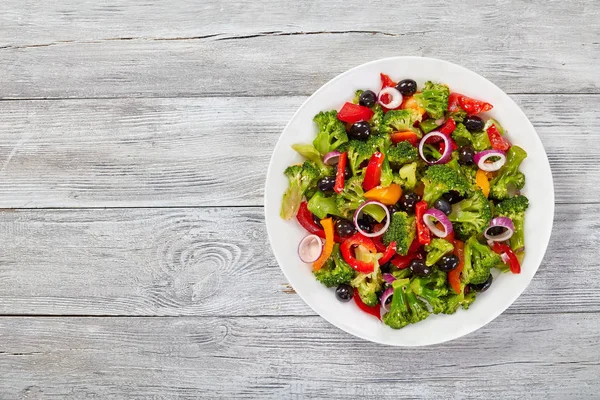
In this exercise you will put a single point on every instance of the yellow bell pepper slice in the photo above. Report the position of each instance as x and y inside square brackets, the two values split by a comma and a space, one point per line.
[327, 224]
[482, 181]
[388, 195]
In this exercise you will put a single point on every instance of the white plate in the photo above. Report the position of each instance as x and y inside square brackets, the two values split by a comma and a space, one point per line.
[285, 235]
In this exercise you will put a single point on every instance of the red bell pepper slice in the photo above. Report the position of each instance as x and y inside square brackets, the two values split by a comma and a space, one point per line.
[373, 173]
[513, 261]
[454, 275]
[473, 106]
[381, 248]
[407, 136]
[453, 145]
[423, 233]
[498, 141]
[347, 252]
[373, 310]
[305, 219]
[386, 81]
[448, 127]
[388, 253]
[402, 262]
[414, 247]
[341, 170]
[453, 102]
[352, 113]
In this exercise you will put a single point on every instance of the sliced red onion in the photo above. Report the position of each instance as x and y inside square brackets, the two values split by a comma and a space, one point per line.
[389, 278]
[310, 249]
[447, 148]
[385, 296]
[358, 213]
[332, 157]
[481, 157]
[502, 222]
[394, 94]
[434, 213]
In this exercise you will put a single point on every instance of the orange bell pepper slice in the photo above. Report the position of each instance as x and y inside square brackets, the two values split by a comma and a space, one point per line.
[410, 102]
[327, 224]
[454, 275]
[388, 195]
[402, 136]
[482, 181]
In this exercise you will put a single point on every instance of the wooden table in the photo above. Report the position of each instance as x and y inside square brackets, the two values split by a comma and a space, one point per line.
[134, 140]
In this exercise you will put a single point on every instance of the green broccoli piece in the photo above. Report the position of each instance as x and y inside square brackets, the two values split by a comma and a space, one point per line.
[376, 120]
[481, 261]
[471, 215]
[399, 315]
[309, 152]
[453, 301]
[399, 121]
[417, 308]
[509, 175]
[430, 291]
[335, 271]
[436, 249]
[514, 208]
[351, 197]
[434, 99]
[407, 176]
[368, 285]
[332, 132]
[402, 153]
[462, 136]
[381, 143]
[457, 115]
[428, 125]
[387, 175]
[481, 141]
[358, 152]
[440, 179]
[301, 178]
[401, 230]
[357, 94]
[321, 205]
[468, 172]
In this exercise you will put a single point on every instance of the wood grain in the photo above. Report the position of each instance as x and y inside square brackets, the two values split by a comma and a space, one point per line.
[514, 357]
[180, 152]
[215, 262]
[159, 49]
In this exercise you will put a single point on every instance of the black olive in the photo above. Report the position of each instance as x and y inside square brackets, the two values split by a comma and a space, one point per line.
[344, 292]
[387, 267]
[347, 172]
[326, 184]
[448, 263]
[394, 208]
[443, 205]
[367, 98]
[344, 228]
[366, 223]
[466, 155]
[482, 287]
[407, 87]
[495, 230]
[453, 196]
[473, 123]
[408, 201]
[317, 220]
[360, 130]
[419, 268]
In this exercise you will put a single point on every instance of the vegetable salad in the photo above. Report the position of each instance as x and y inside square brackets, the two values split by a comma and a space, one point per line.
[410, 197]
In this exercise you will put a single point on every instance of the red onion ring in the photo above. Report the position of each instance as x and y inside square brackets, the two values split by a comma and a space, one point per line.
[389, 278]
[481, 157]
[441, 218]
[394, 94]
[386, 295]
[358, 213]
[502, 222]
[447, 148]
[332, 157]
[304, 251]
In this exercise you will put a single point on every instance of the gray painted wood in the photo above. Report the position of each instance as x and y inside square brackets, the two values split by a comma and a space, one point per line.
[179, 152]
[514, 357]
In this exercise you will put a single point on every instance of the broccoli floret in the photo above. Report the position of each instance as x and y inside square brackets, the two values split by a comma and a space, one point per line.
[381, 143]
[453, 301]
[402, 153]
[431, 292]
[434, 99]
[436, 249]
[332, 132]
[399, 121]
[357, 94]
[336, 271]
[482, 259]
[301, 178]
[468, 172]
[462, 136]
[481, 141]
[387, 175]
[407, 176]
[471, 215]
[440, 179]
[321, 205]
[509, 175]
[376, 120]
[358, 152]
[514, 208]
[398, 316]
[368, 285]
[402, 231]
[309, 152]
[351, 197]
[418, 310]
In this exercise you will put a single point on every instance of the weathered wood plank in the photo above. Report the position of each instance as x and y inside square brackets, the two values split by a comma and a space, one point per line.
[215, 262]
[189, 152]
[69, 49]
[514, 357]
